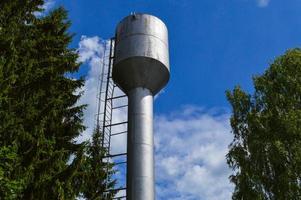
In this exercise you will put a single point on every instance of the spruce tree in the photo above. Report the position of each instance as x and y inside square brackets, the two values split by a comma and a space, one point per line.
[39, 119]
[266, 151]
[98, 183]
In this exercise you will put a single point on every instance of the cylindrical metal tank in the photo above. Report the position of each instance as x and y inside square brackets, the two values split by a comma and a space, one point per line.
[141, 70]
[141, 53]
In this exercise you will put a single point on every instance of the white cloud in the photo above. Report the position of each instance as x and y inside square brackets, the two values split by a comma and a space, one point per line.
[263, 3]
[91, 51]
[90, 48]
[190, 144]
[190, 155]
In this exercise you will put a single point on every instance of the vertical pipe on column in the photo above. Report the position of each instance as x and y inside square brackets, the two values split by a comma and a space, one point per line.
[140, 147]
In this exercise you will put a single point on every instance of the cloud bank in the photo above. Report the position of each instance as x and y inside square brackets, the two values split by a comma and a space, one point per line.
[190, 143]
[91, 52]
[190, 155]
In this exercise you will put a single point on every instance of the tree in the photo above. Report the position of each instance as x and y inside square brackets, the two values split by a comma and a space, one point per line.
[97, 172]
[39, 119]
[266, 151]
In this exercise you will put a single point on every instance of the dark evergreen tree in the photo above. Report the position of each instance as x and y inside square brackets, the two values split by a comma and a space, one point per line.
[13, 17]
[97, 172]
[39, 119]
[266, 151]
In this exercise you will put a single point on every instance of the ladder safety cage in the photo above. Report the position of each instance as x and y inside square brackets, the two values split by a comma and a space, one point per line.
[104, 118]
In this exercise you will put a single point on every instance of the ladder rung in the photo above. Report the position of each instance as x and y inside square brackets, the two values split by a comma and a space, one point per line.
[118, 133]
[123, 106]
[114, 155]
[116, 124]
[106, 126]
[117, 97]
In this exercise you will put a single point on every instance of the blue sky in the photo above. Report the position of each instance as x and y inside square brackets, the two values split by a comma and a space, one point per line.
[214, 45]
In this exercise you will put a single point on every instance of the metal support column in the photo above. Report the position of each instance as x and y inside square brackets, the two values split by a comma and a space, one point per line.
[140, 160]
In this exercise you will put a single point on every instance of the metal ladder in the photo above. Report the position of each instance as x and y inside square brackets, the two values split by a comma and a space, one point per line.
[104, 118]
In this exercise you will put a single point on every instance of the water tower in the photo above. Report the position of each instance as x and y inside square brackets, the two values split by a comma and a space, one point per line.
[141, 70]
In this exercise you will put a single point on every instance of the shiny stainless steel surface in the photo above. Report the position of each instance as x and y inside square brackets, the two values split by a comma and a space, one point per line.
[141, 70]
[140, 160]
[141, 53]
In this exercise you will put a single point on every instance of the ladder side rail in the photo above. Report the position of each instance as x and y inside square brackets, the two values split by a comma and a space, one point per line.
[108, 109]
[107, 90]
[100, 89]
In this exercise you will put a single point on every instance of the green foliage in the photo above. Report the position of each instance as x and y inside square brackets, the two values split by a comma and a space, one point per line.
[94, 166]
[39, 119]
[266, 151]
[9, 187]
